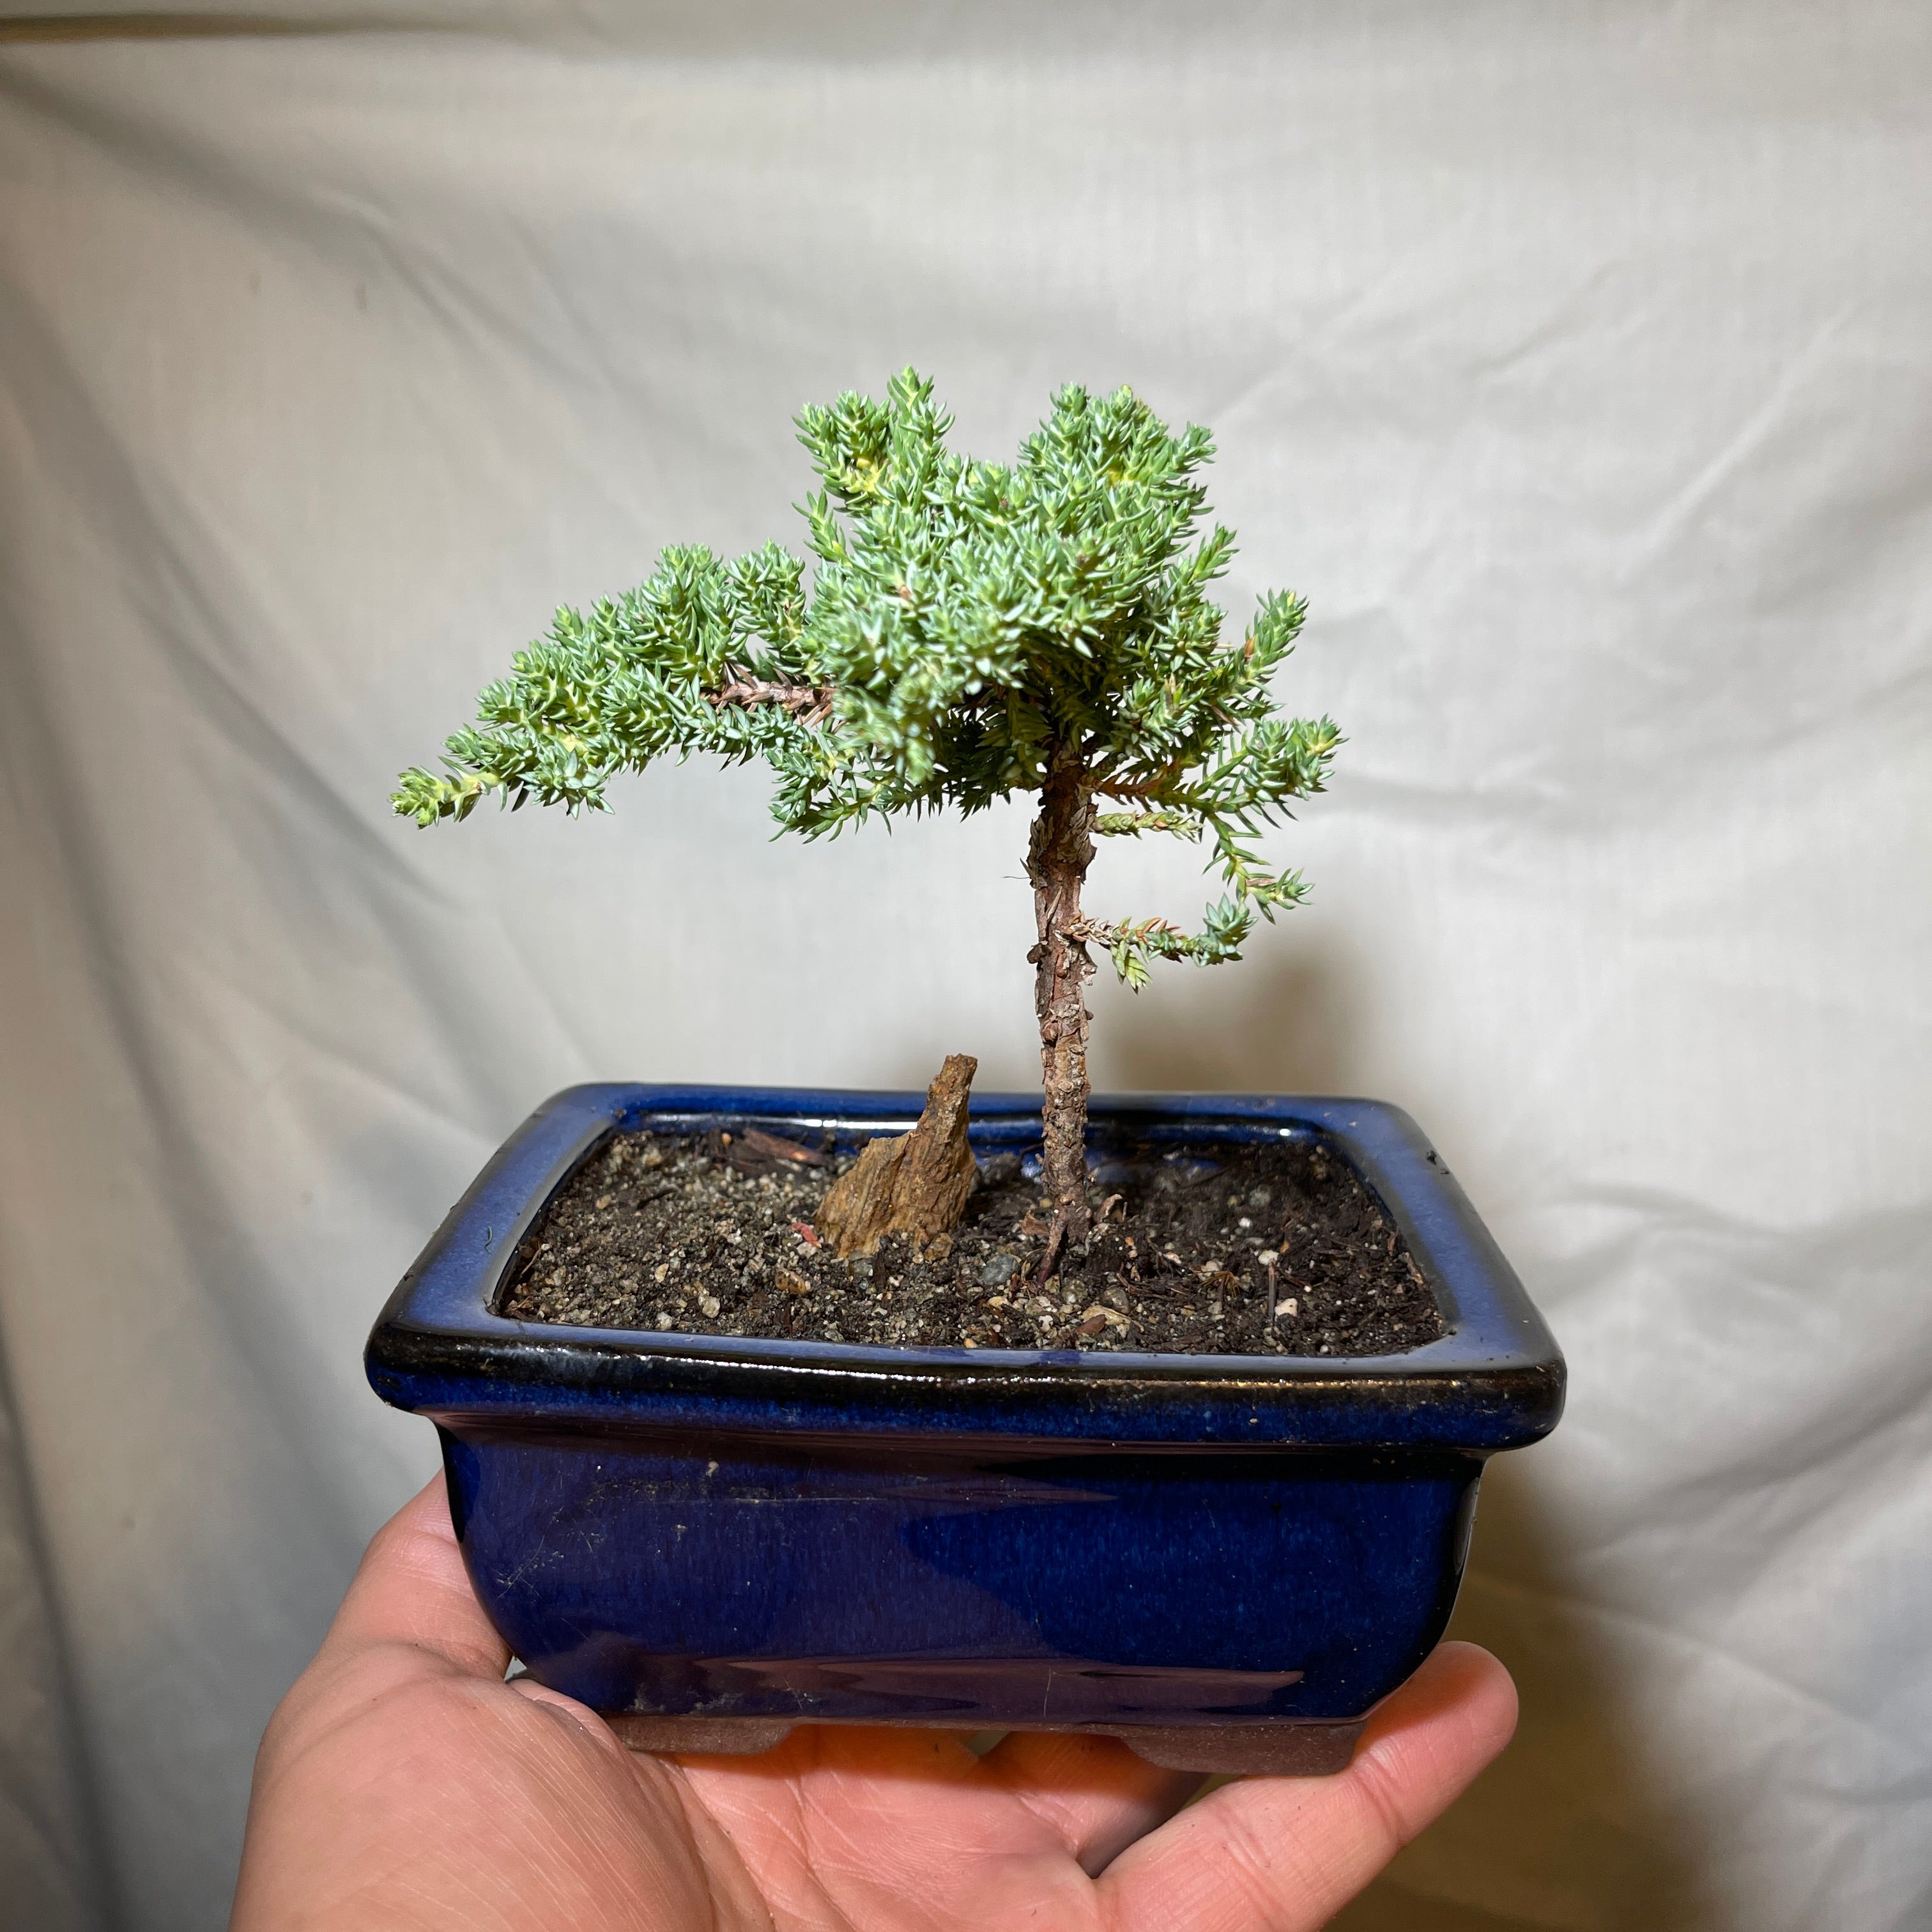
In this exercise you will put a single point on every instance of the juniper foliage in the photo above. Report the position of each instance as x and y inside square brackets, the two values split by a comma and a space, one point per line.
[964, 618]
[965, 630]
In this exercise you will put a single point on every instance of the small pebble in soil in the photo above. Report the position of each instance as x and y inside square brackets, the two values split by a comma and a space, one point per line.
[693, 1234]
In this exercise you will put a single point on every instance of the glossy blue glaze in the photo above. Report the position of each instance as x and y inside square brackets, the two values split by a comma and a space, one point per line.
[743, 1528]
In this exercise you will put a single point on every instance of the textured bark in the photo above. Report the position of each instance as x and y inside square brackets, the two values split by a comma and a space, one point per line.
[811, 702]
[913, 1184]
[1061, 851]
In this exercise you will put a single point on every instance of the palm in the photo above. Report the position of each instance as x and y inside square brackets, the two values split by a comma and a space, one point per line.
[882, 1829]
[404, 1784]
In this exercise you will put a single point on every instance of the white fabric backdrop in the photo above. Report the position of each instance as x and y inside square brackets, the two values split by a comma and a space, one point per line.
[1576, 362]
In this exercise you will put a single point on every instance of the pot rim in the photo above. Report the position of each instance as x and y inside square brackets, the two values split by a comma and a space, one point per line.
[1493, 1380]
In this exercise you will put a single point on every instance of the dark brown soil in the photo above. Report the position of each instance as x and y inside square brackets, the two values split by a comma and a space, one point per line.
[1276, 1249]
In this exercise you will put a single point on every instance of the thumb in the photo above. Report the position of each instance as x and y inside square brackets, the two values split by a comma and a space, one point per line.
[412, 1588]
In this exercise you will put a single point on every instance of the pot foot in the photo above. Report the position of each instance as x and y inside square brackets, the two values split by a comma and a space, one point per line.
[1264, 1751]
[710, 1737]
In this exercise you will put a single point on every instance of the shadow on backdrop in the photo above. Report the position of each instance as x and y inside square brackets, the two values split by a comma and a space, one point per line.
[1568, 1832]
[1281, 1022]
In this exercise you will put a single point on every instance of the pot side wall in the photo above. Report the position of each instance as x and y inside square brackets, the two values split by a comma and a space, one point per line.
[728, 1576]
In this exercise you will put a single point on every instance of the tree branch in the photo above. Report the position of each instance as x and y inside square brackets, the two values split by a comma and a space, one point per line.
[810, 703]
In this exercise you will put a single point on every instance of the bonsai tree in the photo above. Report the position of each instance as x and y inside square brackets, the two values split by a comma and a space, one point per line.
[966, 631]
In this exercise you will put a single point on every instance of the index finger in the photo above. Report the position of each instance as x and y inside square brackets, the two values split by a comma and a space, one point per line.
[412, 1588]
[1285, 1854]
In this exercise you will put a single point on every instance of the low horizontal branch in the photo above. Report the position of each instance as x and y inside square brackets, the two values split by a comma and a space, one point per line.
[810, 703]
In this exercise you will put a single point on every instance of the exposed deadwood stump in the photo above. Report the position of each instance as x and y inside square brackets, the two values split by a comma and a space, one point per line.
[913, 1185]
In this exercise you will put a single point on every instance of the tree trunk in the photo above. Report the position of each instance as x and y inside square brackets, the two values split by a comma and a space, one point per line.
[1057, 856]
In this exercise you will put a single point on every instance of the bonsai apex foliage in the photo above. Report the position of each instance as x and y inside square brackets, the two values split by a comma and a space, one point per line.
[969, 630]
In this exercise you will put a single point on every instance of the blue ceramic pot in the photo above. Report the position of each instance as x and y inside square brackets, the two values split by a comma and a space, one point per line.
[1225, 1560]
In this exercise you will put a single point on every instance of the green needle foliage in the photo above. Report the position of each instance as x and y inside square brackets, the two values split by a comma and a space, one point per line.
[965, 630]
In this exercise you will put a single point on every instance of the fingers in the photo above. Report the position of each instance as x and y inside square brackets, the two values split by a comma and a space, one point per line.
[1285, 1854]
[1094, 1792]
[412, 1588]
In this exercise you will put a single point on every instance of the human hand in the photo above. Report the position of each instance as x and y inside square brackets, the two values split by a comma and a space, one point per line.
[403, 1787]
